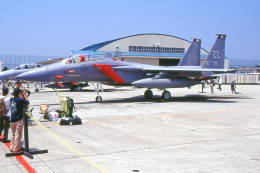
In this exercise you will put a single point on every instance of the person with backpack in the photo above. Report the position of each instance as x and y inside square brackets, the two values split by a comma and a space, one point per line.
[17, 105]
[4, 114]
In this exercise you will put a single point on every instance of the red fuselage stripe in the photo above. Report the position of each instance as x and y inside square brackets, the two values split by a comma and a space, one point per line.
[107, 70]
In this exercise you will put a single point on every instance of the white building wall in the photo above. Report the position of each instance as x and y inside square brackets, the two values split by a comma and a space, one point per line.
[149, 61]
[246, 78]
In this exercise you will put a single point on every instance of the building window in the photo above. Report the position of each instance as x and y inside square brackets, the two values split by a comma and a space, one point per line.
[156, 49]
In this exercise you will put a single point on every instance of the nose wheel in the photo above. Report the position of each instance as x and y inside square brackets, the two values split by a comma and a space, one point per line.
[97, 89]
[166, 95]
[148, 94]
[98, 99]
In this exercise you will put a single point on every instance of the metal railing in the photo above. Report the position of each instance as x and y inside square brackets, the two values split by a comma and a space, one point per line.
[11, 61]
[244, 63]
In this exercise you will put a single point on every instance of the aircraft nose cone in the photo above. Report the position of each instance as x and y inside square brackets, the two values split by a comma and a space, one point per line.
[2, 76]
[34, 75]
[6, 75]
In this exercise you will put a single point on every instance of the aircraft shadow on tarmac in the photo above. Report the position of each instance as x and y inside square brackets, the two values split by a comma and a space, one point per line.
[187, 98]
[157, 98]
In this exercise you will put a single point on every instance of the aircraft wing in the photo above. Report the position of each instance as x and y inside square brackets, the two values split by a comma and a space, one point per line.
[234, 74]
[181, 70]
[174, 69]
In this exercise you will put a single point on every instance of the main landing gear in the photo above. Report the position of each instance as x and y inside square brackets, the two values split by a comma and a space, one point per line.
[166, 95]
[148, 95]
[36, 86]
[79, 88]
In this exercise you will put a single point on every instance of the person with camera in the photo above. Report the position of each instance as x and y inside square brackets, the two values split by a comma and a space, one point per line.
[17, 105]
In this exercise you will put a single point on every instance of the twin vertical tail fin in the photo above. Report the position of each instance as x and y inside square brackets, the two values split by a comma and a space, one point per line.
[192, 56]
[215, 58]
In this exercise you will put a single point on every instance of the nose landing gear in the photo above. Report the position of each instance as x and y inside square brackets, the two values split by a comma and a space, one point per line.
[98, 99]
[98, 87]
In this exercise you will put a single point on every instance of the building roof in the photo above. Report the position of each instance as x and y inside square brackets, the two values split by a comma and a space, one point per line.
[143, 54]
[94, 47]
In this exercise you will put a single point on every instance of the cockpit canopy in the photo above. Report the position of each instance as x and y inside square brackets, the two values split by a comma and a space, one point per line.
[81, 58]
[27, 66]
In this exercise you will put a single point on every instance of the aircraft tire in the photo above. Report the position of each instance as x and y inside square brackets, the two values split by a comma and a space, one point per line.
[79, 88]
[148, 94]
[36, 89]
[98, 99]
[72, 89]
[166, 95]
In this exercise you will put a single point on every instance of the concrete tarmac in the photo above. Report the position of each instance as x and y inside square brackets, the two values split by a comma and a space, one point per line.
[194, 132]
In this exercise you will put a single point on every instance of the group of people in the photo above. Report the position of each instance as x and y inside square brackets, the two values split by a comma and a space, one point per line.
[212, 84]
[11, 84]
[11, 115]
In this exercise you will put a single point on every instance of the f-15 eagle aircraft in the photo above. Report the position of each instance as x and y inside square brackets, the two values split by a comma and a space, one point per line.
[186, 74]
[9, 74]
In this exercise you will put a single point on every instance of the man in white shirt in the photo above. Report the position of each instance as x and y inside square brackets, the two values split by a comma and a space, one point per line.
[5, 119]
[219, 84]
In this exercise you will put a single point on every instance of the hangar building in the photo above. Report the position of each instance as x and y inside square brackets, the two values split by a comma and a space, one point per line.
[153, 49]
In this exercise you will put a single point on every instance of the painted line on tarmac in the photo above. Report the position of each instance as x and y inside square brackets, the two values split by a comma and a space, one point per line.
[161, 116]
[21, 160]
[90, 161]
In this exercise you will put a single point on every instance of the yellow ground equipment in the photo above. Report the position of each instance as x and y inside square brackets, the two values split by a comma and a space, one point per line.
[66, 105]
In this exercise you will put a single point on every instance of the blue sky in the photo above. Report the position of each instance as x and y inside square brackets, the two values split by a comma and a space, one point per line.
[55, 27]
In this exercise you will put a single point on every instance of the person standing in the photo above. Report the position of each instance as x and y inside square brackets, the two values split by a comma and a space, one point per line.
[17, 105]
[4, 114]
[233, 87]
[212, 84]
[219, 84]
[19, 84]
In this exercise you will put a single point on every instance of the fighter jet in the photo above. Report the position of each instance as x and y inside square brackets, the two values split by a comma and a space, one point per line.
[9, 74]
[119, 72]
[191, 58]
